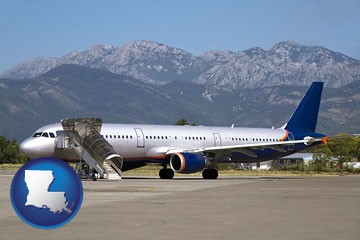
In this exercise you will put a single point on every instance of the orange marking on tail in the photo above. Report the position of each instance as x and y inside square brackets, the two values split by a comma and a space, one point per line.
[285, 137]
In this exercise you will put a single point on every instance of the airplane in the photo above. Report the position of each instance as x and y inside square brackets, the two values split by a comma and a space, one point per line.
[190, 149]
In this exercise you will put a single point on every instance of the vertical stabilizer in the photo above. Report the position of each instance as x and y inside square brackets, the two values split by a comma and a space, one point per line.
[304, 118]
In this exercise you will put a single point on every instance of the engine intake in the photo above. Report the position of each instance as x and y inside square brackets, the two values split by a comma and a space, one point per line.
[187, 162]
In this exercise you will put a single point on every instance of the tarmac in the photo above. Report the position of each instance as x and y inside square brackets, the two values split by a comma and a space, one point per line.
[193, 208]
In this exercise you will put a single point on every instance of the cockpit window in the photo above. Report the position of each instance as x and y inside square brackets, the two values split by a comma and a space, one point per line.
[37, 134]
[45, 134]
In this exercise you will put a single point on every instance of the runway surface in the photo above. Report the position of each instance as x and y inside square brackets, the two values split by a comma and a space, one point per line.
[193, 208]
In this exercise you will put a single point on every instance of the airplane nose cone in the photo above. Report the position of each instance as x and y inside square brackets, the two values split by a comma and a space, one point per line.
[37, 147]
[27, 147]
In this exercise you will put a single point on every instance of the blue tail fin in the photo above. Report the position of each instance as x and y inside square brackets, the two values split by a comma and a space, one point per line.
[305, 116]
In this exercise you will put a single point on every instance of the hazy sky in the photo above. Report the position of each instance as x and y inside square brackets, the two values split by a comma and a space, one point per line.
[32, 28]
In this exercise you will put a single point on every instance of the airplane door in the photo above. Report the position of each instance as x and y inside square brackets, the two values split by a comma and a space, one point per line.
[291, 138]
[140, 138]
[217, 139]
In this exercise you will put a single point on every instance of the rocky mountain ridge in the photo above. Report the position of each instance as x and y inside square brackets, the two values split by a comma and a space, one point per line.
[286, 63]
[77, 91]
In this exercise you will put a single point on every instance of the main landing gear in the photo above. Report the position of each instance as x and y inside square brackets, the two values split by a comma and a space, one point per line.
[210, 173]
[166, 173]
[207, 173]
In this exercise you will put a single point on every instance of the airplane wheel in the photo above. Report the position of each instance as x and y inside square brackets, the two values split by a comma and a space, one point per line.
[210, 173]
[214, 173]
[93, 177]
[166, 173]
[205, 173]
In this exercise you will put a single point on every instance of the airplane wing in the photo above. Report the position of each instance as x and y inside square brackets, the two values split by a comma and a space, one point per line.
[247, 148]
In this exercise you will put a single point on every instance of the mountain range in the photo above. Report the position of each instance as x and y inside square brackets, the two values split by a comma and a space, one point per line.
[286, 63]
[72, 90]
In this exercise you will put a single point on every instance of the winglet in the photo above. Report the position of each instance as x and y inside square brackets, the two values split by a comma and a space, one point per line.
[325, 140]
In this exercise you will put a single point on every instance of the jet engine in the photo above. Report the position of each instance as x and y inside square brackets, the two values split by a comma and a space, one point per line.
[187, 162]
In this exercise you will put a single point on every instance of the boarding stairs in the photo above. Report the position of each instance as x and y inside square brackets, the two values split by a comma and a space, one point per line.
[83, 136]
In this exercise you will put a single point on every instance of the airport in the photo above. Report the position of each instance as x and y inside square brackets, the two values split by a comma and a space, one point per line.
[143, 207]
[188, 206]
[170, 111]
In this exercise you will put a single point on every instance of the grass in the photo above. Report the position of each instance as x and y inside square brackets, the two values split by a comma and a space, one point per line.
[9, 166]
[153, 170]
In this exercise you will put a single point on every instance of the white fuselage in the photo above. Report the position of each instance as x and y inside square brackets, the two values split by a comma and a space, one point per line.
[150, 142]
[137, 141]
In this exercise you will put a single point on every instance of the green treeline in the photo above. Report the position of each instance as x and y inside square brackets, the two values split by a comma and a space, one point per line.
[10, 152]
[343, 147]
[185, 122]
[339, 150]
